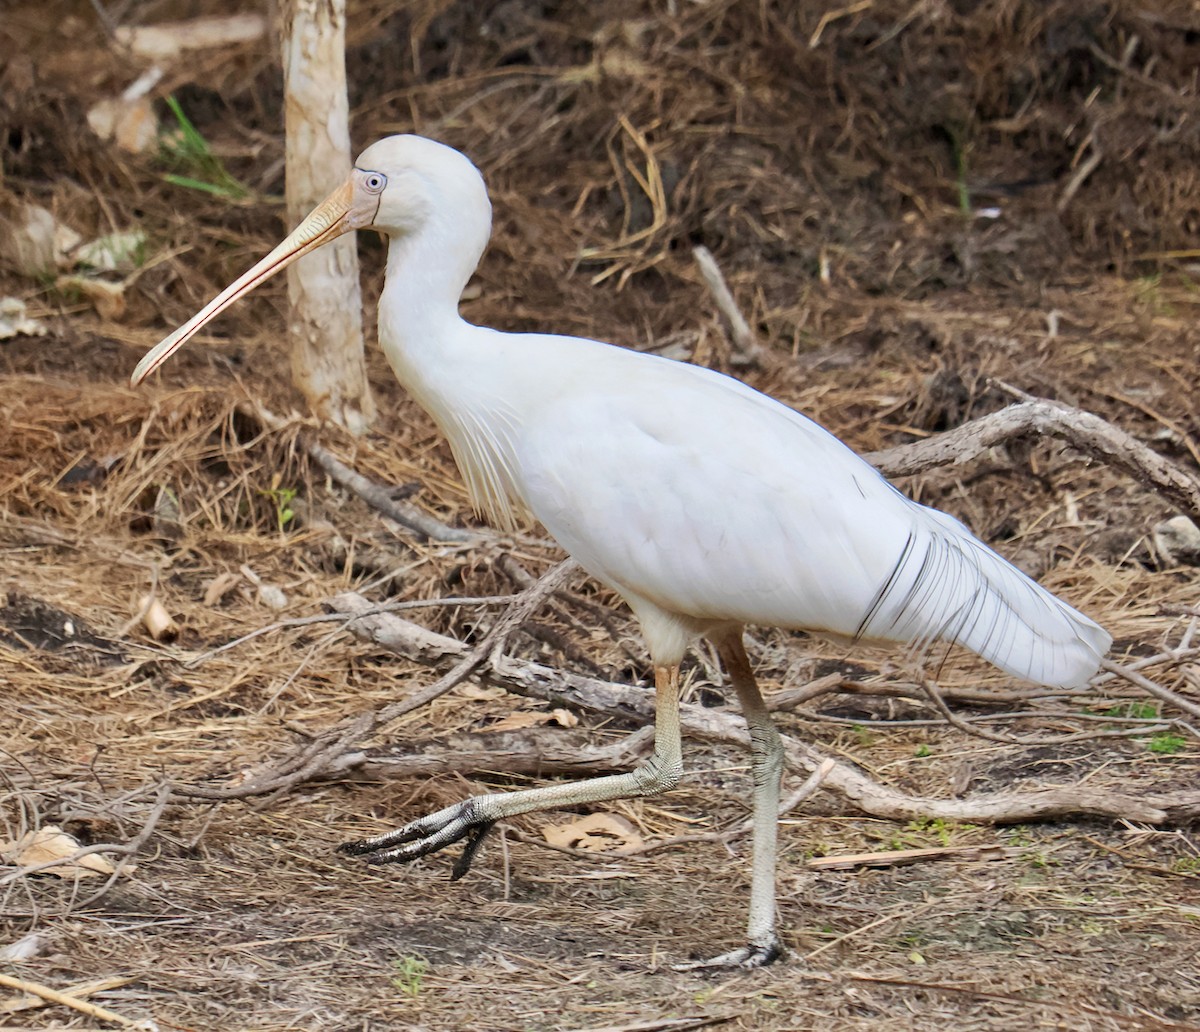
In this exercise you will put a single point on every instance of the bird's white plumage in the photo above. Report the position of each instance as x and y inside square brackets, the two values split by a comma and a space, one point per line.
[732, 508]
[702, 501]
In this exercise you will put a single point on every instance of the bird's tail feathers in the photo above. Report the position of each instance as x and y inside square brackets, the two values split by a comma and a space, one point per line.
[949, 586]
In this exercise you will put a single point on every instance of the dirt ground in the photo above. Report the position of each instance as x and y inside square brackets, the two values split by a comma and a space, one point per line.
[914, 204]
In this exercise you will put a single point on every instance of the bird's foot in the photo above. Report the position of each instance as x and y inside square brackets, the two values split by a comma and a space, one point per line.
[745, 958]
[426, 835]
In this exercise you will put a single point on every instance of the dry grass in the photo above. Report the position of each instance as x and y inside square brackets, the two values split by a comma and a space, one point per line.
[838, 185]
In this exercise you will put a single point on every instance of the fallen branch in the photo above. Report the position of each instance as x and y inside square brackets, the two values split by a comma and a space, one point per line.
[1039, 417]
[324, 754]
[535, 680]
[539, 753]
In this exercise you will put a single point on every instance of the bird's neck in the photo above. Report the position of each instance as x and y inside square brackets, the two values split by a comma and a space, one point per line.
[430, 266]
[418, 309]
[450, 366]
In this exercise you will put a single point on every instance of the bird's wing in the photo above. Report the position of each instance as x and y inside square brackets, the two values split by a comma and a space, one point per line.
[700, 503]
[715, 502]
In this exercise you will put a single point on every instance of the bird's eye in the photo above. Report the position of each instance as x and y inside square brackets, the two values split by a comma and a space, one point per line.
[374, 182]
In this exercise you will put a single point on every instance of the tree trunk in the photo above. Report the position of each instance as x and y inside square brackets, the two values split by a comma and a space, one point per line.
[325, 300]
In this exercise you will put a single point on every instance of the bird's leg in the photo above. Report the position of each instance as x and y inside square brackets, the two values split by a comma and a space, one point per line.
[472, 817]
[766, 763]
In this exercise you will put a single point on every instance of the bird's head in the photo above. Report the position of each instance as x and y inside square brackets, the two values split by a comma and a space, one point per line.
[401, 182]
[397, 187]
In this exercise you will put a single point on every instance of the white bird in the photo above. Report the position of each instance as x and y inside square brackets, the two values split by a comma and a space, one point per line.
[705, 504]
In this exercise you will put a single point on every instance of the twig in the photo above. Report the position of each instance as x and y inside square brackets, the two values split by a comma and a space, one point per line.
[837, 684]
[1152, 688]
[905, 912]
[1122, 66]
[144, 608]
[78, 990]
[972, 728]
[829, 17]
[379, 498]
[522, 578]
[134, 845]
[125, 850]
[904, 857]
[1088, 166]
[1170, 657]
[787, 805]
[106, 20]
[1082, 430]
[1140, 1022]
[746, 349]
[66, 1000]
[491, 646]
[810, 786]
[826, 685]
[1132, 864]
[662, 1024]
[1140, 726]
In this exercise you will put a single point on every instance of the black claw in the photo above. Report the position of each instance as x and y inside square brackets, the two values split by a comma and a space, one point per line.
[371, 850]
[422, 837]
[474, 839]
[379, 858]
[381, 842]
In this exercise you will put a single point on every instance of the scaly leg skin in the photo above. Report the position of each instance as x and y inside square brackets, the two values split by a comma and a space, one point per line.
[766, 760]
[472, 817]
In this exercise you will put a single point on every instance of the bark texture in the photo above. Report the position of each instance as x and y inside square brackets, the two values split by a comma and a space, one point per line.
[325, 299]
